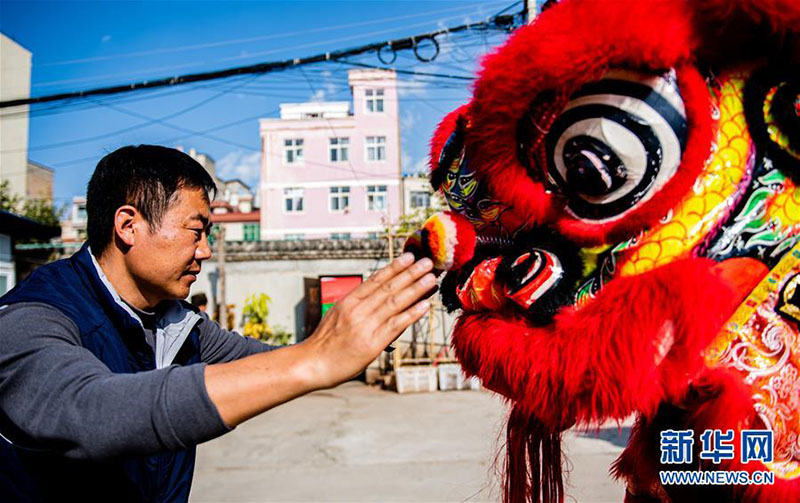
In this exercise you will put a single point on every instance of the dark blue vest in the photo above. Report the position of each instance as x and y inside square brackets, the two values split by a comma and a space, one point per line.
[73, 287]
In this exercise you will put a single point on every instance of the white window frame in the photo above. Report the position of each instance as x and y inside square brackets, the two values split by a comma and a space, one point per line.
[378, 145]
[375, 192]
[418, 193]
[291, 193]
[341, 236]
[339, 145]
[294, 237]
[293, 146]
[375, 98]
[339, 193]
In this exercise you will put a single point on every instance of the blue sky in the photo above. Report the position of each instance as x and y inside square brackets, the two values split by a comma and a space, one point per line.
[81, 45]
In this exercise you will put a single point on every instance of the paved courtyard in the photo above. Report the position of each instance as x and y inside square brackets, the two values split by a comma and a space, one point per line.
[358, 443]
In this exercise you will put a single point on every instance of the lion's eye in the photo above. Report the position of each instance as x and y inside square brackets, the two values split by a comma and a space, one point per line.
[618, 141]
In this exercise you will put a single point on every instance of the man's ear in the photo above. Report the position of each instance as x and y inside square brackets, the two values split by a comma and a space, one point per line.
[126, 219]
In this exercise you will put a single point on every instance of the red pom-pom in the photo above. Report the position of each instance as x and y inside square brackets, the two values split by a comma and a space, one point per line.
[447, 238]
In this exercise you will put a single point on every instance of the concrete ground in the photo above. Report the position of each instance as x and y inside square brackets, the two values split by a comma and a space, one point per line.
[359, 443]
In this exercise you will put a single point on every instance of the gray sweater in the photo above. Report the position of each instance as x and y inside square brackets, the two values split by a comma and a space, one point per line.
[55, 395]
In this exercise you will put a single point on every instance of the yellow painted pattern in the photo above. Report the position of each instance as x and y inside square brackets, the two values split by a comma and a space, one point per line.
[704, 206]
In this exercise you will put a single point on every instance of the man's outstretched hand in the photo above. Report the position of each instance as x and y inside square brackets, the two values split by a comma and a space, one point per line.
[362, 324]
[350, 336]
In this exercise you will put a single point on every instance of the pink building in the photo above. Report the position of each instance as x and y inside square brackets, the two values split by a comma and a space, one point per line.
[329, 172]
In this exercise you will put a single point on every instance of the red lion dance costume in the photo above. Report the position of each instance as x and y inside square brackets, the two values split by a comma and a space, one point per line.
[623, 235]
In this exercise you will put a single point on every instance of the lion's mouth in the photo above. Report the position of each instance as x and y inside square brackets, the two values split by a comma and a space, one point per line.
[536, 274]
[539, 272]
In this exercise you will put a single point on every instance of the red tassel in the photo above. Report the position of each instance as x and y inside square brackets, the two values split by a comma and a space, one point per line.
[533, 471]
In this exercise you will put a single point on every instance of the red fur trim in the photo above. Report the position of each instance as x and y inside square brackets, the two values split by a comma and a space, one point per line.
[601, 361]
[442, 133]
[566, 46]
[733, 31]
[698, 148]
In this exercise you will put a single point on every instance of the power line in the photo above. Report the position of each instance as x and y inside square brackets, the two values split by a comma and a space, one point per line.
[123, 130]
[504, 22]
[77, 105]
[240, 86]
[181, 137]
[220, 43]
[411, 72]
[240, 57]
[151, 120]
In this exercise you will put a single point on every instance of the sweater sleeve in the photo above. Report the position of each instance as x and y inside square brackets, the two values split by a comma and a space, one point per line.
[218, 345]
[56, 395]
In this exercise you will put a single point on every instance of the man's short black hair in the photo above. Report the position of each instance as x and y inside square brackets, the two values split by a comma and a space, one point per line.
[147, 177]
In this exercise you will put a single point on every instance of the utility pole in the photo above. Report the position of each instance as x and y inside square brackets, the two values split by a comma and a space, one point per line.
[221, 302]
[530, 11]
[391, 242]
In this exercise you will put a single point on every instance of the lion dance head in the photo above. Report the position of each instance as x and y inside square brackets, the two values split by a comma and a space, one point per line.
[622, 234]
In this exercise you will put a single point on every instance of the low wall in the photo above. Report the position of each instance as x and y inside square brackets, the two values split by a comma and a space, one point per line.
[282, 270]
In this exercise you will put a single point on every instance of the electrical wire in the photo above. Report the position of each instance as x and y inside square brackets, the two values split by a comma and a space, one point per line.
[504, 22]
[123, 130]
[172, 140]
[166, 50]
[77, 105]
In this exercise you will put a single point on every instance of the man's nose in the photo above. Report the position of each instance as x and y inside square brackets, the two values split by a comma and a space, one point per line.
[203, 251]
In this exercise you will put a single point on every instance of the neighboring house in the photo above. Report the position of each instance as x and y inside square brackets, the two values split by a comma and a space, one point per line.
[27, 179]
[238, 194]
[329, 172]
[418, 195]
[234, 192]
[15, 82]
[208, 164]
[38, 181]
[14, 266]
[234, 209]
[73, 228]
[242, 222]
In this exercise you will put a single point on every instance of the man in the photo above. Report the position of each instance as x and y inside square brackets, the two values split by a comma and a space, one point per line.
[108, 381]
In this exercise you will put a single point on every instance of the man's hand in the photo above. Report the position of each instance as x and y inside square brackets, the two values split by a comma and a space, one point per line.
[362, 324]
[352, 334]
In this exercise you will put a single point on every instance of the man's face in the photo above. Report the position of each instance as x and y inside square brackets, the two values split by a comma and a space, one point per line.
[165, 262]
